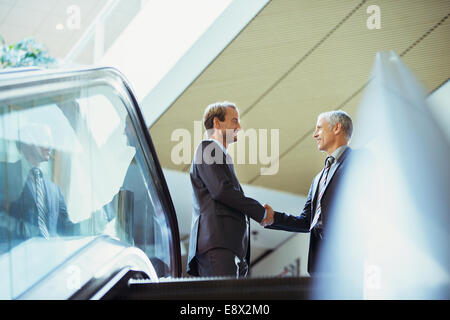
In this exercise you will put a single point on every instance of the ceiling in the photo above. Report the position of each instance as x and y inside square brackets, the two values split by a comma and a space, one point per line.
[39, 19]
[51, 22]
[296, 59]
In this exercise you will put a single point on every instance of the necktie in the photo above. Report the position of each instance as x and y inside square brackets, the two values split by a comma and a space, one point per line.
[328, 162]
[40, 202]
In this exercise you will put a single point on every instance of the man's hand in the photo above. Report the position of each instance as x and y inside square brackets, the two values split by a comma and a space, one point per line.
[269, 218]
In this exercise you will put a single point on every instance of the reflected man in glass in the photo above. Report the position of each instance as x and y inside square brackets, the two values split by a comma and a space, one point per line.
[40, 209]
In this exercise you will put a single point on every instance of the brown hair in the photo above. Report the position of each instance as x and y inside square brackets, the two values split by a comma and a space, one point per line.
[217, 109]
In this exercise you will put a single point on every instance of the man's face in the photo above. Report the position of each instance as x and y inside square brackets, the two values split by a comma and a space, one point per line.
[230, 126]
[45, 153]
[36, 154]
[324, 134]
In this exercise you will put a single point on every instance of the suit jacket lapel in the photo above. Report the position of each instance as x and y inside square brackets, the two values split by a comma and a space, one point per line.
[315, 191]
[48, 192]
[29, 184]
[334, 168]
[330, 175]
[230, 165]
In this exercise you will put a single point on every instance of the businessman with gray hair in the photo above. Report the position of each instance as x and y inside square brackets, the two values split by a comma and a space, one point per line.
[333, 132]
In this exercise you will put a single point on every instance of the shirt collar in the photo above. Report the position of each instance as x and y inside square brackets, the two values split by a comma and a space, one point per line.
[338, 152]
[220, 144]
[26, 168]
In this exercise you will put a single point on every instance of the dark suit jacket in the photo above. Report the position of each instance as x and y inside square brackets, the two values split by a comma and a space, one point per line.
[303, 222]
[221, 210]
[21, 205]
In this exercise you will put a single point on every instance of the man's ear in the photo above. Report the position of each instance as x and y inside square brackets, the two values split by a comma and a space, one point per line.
[216, 123]
[337, 128]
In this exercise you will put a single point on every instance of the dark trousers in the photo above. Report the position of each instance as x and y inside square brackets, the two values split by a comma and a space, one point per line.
[221, 262]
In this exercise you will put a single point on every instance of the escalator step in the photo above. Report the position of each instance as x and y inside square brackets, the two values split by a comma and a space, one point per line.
[219, 288]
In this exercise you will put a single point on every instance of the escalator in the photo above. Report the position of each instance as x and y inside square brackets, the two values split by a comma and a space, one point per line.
[221, 288]
[100, 191]
[85, 211]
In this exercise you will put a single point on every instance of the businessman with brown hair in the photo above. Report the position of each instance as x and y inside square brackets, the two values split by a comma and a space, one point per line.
[220, 230]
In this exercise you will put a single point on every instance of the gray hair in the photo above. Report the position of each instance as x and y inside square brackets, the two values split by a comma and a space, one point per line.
[339, 116]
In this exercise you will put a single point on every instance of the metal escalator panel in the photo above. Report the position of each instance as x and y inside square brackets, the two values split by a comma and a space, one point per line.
[77, 162]
[217, 288]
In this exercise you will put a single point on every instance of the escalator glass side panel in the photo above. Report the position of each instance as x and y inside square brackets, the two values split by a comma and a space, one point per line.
[76, 162]
[87, 275]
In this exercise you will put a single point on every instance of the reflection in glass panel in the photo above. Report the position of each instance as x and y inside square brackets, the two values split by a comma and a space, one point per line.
[71, 167]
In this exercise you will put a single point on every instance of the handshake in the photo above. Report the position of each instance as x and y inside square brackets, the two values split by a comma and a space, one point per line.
[269, 217]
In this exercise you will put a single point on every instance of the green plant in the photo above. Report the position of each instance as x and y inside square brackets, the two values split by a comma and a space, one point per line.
[24, 53]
